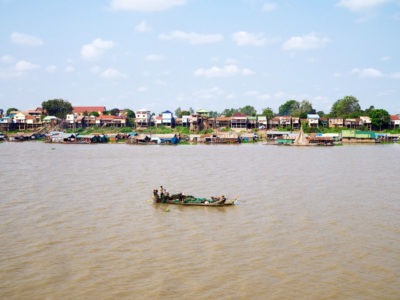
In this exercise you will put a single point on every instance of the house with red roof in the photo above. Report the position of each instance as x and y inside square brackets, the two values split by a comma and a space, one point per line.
[86, 110]
[109, 120]
[395, 121]
[239, 120]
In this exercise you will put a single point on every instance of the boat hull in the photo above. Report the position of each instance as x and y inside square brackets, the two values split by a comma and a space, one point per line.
[225, 202]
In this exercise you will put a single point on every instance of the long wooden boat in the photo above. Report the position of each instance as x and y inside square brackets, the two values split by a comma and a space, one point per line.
[181, 199]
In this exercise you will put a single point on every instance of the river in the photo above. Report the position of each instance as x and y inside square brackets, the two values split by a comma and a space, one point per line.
[76, 222]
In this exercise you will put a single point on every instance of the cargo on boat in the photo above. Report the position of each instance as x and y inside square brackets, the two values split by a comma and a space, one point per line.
[163, 196]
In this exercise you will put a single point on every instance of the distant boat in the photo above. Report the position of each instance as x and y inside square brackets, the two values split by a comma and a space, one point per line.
[181, 199]
[143, 139]
[301, 139]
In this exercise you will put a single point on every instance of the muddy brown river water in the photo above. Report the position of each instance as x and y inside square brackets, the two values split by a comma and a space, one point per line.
[76, 222]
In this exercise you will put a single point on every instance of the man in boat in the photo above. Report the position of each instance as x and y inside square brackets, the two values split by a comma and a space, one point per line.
[162, 195]
[220, 199]
[156, 196]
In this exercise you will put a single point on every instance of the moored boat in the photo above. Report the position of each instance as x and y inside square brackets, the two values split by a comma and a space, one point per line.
[182, 199]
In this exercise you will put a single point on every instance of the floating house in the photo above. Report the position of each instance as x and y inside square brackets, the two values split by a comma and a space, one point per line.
[358, 136]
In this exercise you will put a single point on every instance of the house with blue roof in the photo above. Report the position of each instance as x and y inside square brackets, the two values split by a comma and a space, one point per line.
[167, 119]
[313, 120]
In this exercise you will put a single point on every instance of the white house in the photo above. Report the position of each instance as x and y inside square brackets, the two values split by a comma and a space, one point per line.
[71, 118]
[158, 120]
[186, 121]
[143, 118]
[313, 120]
[168, 118]
[365, 121]
[19, 118]
[50, 119]
[395, 121]
[262, 122]
[6, 120]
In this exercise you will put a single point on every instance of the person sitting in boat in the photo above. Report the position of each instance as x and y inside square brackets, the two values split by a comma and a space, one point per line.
[162, 195]
[214, 199]
[220, 199]
[156, 196]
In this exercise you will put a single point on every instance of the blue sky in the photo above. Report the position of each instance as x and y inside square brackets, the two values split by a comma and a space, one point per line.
[210, 54]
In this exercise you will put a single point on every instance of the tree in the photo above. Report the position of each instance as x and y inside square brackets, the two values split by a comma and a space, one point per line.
[305, 109]
[185, 113]
[228, 112]
[248, 110]
[57, 107]
[10, 110]
[114, 112]
[289, 108]
[178, 112]
[380, 118]
[213, 114]
[268, 113]
[94, 113]
[368, 110]
[130, 113]
[348, 107]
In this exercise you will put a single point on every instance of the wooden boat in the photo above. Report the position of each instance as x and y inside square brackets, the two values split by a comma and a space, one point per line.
[301, 140]
[181, 199]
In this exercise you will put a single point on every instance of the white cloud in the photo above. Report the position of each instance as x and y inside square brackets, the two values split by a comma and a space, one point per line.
[161, 82]
[95, 69]
[395, 75]
[23, 66]
[141, 89]
[257, 95]
[247, 72]
[305, 42]
[95, 49]
[226, 71]
[269, 6]
[243, 38]
[361, 5]
[51, 68]
[112, 74]
[147, 5]
[142, 27]
[367, 73]
[374, 73]
[192, 37]
[154, 57]
[385, 58]
[7, 59]
[69, 69]
[214, 92]
[25, 39]
[19, 69]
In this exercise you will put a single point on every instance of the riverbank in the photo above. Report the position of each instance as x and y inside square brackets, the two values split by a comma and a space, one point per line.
[182, 135]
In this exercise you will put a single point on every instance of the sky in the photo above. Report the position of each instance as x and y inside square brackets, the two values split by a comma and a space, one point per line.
[199, 54]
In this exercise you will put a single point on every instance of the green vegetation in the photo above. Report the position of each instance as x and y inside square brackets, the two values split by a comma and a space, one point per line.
[348, 107]
[296, 109]
[57, 107]
[10, 110]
